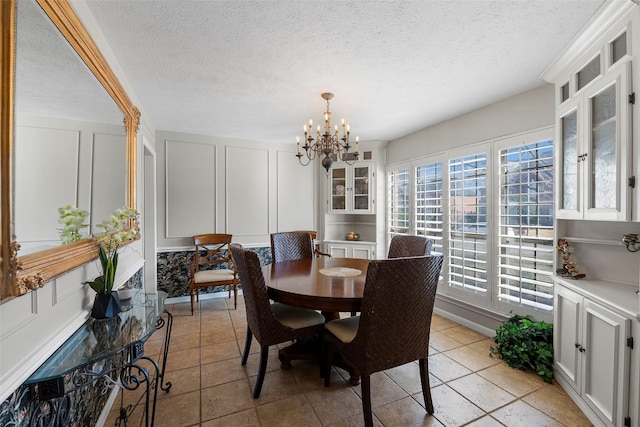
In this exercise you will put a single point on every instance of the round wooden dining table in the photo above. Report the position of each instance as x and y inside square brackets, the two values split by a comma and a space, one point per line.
[330, 285]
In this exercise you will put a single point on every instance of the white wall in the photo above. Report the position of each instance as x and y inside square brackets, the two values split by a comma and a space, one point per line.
[527, 111]
[250, 189]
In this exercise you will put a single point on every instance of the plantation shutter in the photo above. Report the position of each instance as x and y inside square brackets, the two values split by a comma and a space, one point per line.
[468, 223]
[428, 203]
[397, 203]
[525, 236]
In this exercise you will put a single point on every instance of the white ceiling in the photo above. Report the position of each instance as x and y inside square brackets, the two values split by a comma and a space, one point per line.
[256, 69]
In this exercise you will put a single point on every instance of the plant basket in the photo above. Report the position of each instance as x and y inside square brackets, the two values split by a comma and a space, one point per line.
[106, 306]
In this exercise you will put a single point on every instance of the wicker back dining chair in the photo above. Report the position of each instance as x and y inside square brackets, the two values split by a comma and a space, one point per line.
[269, 323]
[393, 327]
[293, 245]
[314, 235]
[212, 266]
[404, 245]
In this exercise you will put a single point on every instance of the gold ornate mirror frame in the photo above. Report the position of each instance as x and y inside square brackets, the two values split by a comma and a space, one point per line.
[30, 272]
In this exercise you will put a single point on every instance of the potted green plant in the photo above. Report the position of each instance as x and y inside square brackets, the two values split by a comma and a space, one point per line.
[117, 232]
[523, 343]
[72, 220]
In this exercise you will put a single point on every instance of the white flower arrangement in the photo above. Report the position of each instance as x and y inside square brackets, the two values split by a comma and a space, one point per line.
[72, 220]
[117, 232]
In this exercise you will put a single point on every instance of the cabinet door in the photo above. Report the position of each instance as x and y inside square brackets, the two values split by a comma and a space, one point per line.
[606, 165]
[567, 335]
[338, 189]
[567, 152]
[361, 189]
[365, 252]
[606, 363]
[339, 251]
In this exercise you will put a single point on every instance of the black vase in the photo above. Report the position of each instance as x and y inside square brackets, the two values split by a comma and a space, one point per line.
[106, 306]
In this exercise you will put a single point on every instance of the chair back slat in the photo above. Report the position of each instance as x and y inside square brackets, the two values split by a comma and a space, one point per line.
[291, 246]
[212, 253]
[409, 245]
[212, 250]
[395, 320]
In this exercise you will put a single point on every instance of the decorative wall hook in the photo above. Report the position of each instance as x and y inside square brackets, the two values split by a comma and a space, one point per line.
[631, 242]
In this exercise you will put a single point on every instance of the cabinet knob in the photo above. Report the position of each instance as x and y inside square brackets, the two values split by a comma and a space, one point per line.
[582, 350]
[577, 345]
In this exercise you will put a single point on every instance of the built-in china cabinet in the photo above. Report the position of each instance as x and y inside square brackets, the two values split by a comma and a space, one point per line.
[596, 318]
[354, 196]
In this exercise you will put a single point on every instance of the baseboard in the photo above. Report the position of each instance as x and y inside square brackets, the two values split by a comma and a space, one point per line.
[473, 317]
[586, 410]
[178, 300]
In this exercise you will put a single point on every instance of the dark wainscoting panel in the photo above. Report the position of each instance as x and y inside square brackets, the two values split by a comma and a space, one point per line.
[174, 269]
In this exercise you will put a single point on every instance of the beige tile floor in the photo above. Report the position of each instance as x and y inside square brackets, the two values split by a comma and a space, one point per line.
[211, 388]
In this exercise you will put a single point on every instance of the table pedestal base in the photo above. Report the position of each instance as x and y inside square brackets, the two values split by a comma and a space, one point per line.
[309, 349]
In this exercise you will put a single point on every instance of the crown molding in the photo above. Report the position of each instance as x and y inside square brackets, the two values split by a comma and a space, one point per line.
[601, 22]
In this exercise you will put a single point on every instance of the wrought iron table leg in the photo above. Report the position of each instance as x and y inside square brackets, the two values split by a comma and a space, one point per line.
[165, 348]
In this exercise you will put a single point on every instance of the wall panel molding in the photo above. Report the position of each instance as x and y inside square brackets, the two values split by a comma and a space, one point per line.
[189, 188]
[247, 191]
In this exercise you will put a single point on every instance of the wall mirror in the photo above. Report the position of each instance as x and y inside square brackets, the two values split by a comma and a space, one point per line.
[68, 138]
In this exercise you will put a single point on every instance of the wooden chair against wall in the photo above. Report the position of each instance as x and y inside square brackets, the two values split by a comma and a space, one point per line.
[405, 245]
[270, 323]
[213, 265]
[394, 326]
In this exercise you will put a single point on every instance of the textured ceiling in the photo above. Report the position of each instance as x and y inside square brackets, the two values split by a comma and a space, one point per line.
[256, 69]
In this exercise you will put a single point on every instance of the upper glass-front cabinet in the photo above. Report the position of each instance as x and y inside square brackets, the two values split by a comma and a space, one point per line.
[595, 144]
[350, 188]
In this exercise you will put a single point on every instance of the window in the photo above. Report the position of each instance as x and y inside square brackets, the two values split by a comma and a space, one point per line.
[619, 48]
[489, 209]
[397, 202]
[428, 204]
[525, 236]
[589, 72]
[468, 223]
[565, 93]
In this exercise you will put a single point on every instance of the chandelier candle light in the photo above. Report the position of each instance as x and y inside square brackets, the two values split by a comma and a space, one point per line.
[327, 144]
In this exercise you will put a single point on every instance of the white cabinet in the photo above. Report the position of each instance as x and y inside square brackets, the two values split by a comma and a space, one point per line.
[594, 150]
[351, 250]
[350, 188]
[592, 353]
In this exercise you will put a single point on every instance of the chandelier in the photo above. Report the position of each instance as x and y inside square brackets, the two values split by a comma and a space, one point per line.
[327, 144]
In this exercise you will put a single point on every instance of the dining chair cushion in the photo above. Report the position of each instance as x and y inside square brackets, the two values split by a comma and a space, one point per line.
[213, 276]
[296, 317]
[344, 329]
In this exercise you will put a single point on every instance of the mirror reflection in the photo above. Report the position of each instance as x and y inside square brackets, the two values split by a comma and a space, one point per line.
[70, 141]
